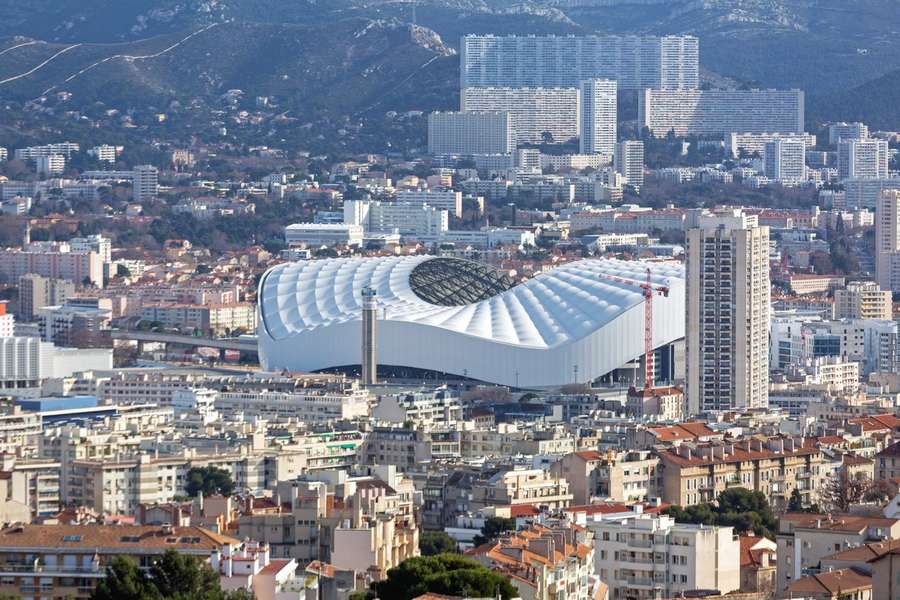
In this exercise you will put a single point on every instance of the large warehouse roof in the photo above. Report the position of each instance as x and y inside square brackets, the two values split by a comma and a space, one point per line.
[439, 313]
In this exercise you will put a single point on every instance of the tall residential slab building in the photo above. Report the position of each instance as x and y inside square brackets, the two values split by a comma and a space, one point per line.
[145, 179]
[867, 159]
[887, 240]
[719, 112]
[784, 160]
[636, 62]
[728, 297]
[598, 116]
[537, 114]
[473, 132]
[629, 161]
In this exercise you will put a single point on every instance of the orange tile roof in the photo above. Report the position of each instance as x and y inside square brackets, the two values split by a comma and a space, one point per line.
[150, 538]
[832, 582]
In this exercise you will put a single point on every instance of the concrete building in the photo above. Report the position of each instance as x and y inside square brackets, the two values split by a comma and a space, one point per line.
[784, 161]
[52, 164]
[544, 561]
[538, 115]
[652, 556]
[887, 240]
[693, 474]
[599, 117]
[658, 403]
[629, 161]
[846, 132]
[36, 292]
[863, 300]
[315, 235]
[441, 199]
[719, 112]
[55, 261]
[521, 486]
[407, 219]
[613, 476]
[65, 149]
[473, 131]
[145, 179]
[749, 144]
[78, 322]
[864, 193]
[864, 159]
[316, 405]
[215, 319]
[727, 299]
[106, 153]
[69, 560]
[636, 62]
[804, 540]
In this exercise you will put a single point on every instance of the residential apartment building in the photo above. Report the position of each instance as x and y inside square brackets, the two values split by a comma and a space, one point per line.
[728, 295]
[719, 112]
[652, 556]
[846, 131]
[865, 159]
[887, 463]
[887, 240]
[636, 62]
[67, 561]
[56, 262]
[521, 486]
[784, 161]
[629, 161]
[441, 199]
[36, 292]
[545, 562]
[66, 149]
[537, 114]
[626, 476]
[863, 300]
[658, 403]
[145, 182]
[472, 131]
[407, 219]
[316, 235]
[50, 165]
[599, 117]
[217, 319]
[749, 144]
[804, 540]
[696, 473]
[313, 406]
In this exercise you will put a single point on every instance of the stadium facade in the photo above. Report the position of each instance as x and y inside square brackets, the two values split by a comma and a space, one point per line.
[575, 323]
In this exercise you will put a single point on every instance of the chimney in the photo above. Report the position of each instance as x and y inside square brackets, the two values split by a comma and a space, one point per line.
[684, 451]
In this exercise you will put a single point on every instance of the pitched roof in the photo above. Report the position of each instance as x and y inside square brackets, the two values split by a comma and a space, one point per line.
[851, 523]
[144, 538]
[866, 552]
[682, 431]
[832, 582]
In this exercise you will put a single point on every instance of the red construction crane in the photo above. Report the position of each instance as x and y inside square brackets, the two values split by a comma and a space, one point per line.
[648, 290]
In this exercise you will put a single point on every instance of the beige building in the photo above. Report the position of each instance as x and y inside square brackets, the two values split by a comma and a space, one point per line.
[652, 556]
[728, 296]
[618, 477]
[863, 300]
[525, 486]
[545, 562]
[661, 403]
[216, 319]
[67, 561]
[804, 540]
[36, 292]
[887, 240]
[692, 474]
[814, 284]
[885, 578]
[887, 462]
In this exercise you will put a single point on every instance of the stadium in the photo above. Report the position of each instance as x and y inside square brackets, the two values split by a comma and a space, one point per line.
[573, 324]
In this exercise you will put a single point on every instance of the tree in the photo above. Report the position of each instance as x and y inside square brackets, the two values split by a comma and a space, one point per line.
[209, 481]
[841, 490]
[795, 504]
[449, 574]
[736, 507]
[172, 576]
[436, 542]
[492, 528]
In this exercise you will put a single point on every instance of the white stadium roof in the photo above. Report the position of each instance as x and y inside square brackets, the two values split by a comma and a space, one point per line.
[576, 322]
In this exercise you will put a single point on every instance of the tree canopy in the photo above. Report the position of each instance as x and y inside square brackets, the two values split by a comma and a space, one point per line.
[173, 576]
[436, 542]
[209, 481]
[737, 507]
[492, 528]
[449, 574]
